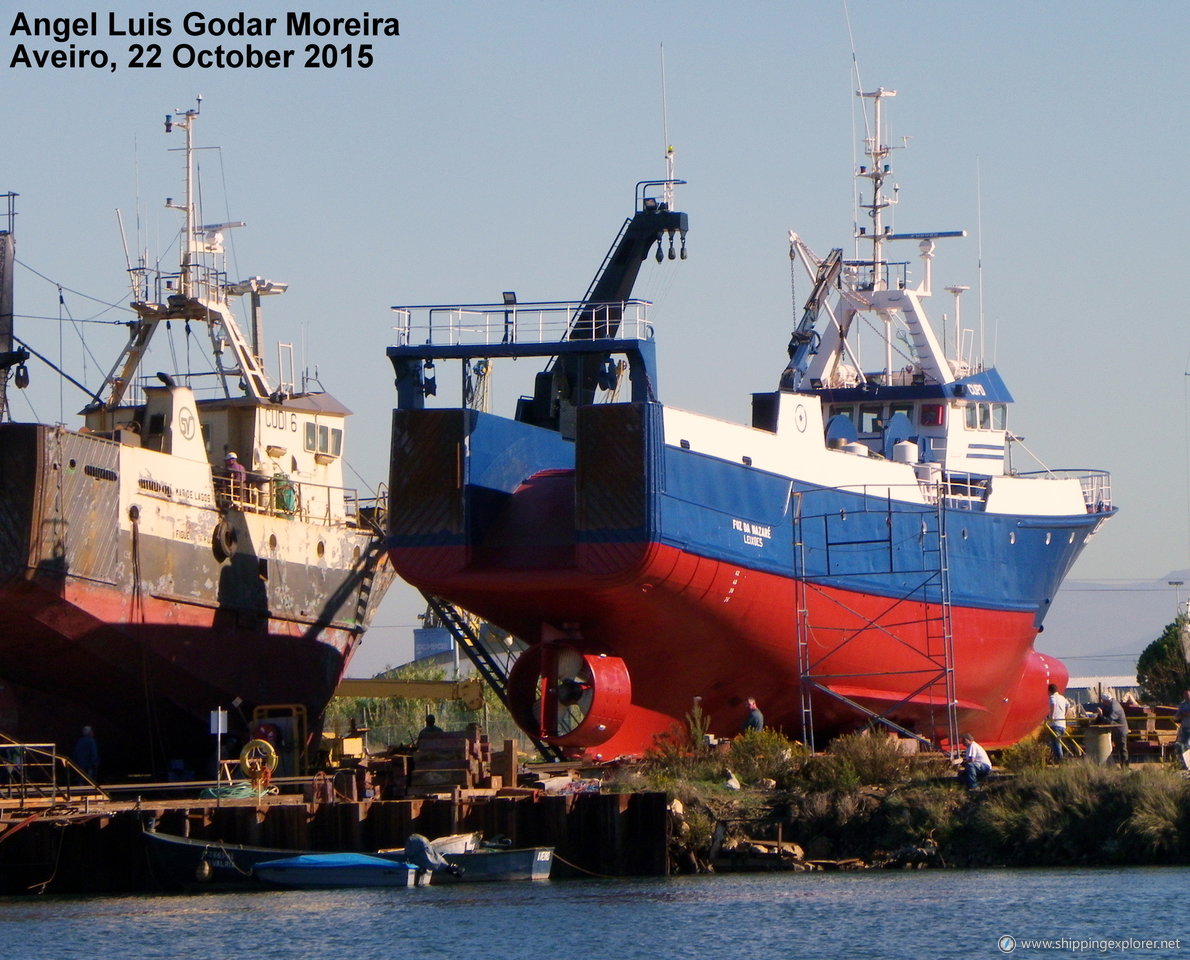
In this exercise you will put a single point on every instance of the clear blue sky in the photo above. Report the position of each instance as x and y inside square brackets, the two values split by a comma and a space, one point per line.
[494, 146]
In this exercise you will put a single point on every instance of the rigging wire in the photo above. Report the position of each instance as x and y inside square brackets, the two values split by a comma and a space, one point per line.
[78, 293]
[855, 197]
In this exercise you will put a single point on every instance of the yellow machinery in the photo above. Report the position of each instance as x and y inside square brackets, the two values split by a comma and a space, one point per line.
[470, 691]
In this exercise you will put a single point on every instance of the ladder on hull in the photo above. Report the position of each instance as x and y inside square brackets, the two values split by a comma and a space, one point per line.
[935, 628]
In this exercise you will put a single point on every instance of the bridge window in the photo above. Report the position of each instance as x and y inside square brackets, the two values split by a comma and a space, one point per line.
[932, 415]
[985, 416]
[869, 418]
[323, 439]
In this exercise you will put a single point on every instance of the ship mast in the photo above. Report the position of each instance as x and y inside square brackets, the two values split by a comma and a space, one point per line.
[185, 121]
[9, 357]
[197, 293]
[877, 170]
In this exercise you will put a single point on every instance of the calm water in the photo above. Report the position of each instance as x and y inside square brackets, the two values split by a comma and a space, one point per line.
[942, 914]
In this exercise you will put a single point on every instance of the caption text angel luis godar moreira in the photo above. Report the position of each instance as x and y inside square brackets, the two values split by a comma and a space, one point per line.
[108, 41]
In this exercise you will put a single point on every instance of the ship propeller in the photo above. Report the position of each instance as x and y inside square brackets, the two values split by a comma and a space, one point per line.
[569, 696]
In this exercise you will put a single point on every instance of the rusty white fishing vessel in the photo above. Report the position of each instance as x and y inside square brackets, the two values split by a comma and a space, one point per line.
[145, 578]
[864, 551]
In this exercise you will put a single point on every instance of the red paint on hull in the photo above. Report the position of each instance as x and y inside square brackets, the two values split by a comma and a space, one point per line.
[146, 672]
[688, 626]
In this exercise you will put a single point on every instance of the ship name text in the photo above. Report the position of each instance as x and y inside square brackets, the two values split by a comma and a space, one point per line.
[755, 534]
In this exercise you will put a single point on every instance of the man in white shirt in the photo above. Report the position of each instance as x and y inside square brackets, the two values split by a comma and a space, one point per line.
[1183, 740]
[1056, 721]
[974, 762]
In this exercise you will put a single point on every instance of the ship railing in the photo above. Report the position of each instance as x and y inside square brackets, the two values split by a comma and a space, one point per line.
[1095, 485]
[35, 773]
[894, 274]
[204, 283]
[283, 496]
[491, 324]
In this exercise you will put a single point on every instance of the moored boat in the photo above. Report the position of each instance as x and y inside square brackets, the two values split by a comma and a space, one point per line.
[322, 870]
[191, 863]
[864, 551]
[191, 546]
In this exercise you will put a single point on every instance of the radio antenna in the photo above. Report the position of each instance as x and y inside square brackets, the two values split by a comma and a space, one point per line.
[668, 192]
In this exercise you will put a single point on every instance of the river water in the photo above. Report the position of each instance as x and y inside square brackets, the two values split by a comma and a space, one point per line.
[927, 914]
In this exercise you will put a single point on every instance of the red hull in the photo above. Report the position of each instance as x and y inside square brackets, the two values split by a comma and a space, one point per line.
[145, 675]
[691, 627]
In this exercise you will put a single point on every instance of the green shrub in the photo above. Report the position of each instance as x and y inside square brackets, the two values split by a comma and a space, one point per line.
[758, 754]
[1026, 755]
[874, 759]
[1156, 828]
[830, 773]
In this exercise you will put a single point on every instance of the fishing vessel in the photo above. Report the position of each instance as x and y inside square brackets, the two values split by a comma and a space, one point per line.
[864, 552]
[191, 546]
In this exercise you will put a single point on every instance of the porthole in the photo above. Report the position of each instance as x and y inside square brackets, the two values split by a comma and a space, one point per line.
[272, 541]
[1048, 538]
[321, 551]
[964, 533]
[1012, 536]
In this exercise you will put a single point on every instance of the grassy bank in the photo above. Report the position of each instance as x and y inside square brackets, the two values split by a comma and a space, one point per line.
[864, 799]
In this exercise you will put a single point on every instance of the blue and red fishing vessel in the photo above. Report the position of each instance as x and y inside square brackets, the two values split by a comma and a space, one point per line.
[864, 551]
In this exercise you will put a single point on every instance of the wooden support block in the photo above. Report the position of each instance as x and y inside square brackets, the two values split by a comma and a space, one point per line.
[440, 778]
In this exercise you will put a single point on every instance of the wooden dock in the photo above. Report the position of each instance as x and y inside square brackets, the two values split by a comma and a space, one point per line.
[89, 844]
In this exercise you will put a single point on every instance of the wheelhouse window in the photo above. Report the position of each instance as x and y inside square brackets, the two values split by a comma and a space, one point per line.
[986, 416]
[843, 410]
[933, 414]
[870, 418]
[323, 439]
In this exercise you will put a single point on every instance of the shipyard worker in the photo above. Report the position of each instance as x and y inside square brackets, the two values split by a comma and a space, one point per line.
[755, 719]
[1183, 719]
[1110, 711]
[1056, 722]
[421, 853]
[86, 754]
[974, 764]
[236, 475]
[430, 727]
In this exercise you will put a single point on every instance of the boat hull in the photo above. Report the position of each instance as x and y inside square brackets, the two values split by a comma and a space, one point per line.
[125, 610]
[717, 580]
[330, 870]
[189, 863]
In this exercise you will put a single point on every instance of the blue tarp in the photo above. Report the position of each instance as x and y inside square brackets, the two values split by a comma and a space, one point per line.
[335, 860]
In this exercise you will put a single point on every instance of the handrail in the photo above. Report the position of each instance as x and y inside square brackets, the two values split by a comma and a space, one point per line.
[497, 323]
[288, 497]
[31, 771]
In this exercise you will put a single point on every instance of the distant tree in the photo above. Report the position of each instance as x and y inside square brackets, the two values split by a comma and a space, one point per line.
[1162, 669]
